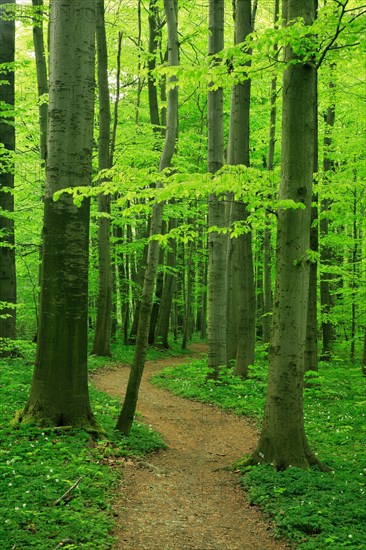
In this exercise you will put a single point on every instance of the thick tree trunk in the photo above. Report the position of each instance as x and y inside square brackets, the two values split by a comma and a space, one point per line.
[238, 153]
[283, 442]
[101, 344]
[7, 138]
[59, 392]
[217, 353]
[127, 414]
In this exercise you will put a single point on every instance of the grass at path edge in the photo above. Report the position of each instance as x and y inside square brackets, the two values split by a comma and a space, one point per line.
[314, 510]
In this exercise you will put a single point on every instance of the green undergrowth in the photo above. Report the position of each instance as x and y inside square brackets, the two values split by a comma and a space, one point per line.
[124, 354]
[315, 510]
[37, 467]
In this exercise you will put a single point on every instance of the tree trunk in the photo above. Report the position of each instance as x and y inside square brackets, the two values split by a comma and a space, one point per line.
[162, 329]
[355, 271]
[59, 392]
[238, 153]
[326, 256]
[311, 347]
[7, 138]
[267, 272]
[159, 286]
[42, 87]
[267, 283]
[127, 414]
[140, 273]
[217, 354]
[41, 68]
[364, 353]
[154, 41]
[101, 345]
[188, 300]
[283, 442]
[203, 312]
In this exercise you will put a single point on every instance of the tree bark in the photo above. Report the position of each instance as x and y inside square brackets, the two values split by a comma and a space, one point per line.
[267, 272]
[283, 442]
[162, 329]
[267, 283]
[217, 276]
[59, 392]
[241, 267]
[127, 414]
[42, 87]
[7, 138]
[41, 68]
[159, 287]
[101, 344]
[311, 347]
[154, 40]
[326, 255]
[188, 300]
[364, 353]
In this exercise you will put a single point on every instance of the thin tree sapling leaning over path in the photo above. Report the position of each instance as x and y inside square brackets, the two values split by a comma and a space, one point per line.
[127, 414]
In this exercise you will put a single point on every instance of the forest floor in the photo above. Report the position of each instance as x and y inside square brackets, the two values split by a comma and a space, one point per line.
[183, 497]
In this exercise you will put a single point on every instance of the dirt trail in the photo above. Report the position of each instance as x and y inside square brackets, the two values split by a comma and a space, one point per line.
[181, 499]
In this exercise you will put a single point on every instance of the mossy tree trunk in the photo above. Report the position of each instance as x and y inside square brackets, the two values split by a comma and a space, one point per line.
[283, 442]
[59, 392]
[7, 138]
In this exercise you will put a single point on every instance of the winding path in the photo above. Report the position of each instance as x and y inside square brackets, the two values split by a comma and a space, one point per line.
[182, 499]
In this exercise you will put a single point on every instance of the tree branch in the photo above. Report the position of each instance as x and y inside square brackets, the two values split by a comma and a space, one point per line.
[67, 496]
[338, 31]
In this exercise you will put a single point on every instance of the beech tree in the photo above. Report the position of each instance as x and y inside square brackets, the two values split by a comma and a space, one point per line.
[283, 442]
[240, 269]
[101, 345]
[7, 144]
[217, 276]
[59, 392]
[125, 419]
[41, 70]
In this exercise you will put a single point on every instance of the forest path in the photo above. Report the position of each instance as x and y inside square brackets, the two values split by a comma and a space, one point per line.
[181, 499]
